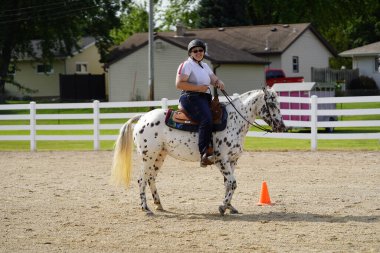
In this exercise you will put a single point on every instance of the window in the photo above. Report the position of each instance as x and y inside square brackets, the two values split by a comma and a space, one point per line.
[81, 68]
[296, 66]
[45, 69]
[377, 64]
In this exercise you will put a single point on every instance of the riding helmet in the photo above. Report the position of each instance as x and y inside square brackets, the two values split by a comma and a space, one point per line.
[196, 43]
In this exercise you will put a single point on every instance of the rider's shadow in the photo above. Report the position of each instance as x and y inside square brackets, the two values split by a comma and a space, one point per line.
[275, 216]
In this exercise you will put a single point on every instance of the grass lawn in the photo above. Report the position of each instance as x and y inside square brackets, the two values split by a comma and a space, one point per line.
[251, 143]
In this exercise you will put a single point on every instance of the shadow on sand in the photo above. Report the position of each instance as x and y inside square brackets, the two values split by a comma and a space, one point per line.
[272, 216]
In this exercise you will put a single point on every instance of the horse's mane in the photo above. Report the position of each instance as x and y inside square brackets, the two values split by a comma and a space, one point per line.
[247, 95]
[241, 98]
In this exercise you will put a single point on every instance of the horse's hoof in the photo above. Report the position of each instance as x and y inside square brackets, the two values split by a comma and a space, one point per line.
[222, 210]
[147, 211]
[159, 208]
[233, 210]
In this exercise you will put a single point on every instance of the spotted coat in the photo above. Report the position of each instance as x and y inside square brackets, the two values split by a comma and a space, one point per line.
[154, 141]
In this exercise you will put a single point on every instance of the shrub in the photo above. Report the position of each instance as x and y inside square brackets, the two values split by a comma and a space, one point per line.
[362, 83]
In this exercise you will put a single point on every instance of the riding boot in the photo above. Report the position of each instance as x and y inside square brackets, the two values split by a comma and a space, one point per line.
[207, 158]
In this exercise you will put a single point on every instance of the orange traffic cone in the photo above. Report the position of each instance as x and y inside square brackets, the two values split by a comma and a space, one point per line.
[264, 196]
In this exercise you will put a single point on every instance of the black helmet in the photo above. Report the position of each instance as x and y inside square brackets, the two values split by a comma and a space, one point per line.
[196, 43]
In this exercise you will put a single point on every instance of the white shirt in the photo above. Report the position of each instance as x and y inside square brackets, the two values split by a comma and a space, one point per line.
[197, 75]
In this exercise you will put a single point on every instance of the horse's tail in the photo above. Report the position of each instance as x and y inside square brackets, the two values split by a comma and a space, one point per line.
[122, 160]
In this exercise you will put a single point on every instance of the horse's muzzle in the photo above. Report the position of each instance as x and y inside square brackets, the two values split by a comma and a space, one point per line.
[280, 127]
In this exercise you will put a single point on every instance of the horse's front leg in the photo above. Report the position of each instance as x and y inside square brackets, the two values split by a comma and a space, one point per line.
[230, 183]
[232, 209]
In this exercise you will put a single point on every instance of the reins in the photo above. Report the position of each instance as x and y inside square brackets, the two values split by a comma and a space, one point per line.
[254, 124]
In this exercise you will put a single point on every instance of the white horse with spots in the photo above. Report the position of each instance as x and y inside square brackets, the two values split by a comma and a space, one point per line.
[154, 141]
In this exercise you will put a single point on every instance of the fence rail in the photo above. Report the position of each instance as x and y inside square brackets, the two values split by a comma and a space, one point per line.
[96, 116]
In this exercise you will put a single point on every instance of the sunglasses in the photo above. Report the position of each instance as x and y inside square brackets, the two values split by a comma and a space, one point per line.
[197, 50]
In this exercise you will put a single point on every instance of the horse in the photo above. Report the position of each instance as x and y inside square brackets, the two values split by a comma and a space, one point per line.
[154, 140]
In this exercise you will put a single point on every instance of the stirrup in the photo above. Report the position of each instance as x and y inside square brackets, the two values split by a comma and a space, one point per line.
[207, 159]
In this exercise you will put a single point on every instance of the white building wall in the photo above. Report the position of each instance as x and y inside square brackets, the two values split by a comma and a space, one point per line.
[311, 53]
[366, 66]
[275, 61]
[167, 60]
[45, 85]
[128, 78]
[90, 56]
[240, 78]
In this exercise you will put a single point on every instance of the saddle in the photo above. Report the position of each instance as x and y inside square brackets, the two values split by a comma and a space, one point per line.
[179, 119]
[180, 116]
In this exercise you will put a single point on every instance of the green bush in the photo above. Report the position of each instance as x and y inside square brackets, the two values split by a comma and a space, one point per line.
[362, 83]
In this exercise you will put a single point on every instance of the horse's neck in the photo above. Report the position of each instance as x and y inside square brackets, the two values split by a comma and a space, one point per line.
[248, 105]
[253, 102]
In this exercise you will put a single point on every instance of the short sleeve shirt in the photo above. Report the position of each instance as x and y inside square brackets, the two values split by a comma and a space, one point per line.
[197, 75]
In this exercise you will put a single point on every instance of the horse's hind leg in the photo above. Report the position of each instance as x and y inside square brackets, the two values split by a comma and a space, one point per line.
[152, 181]
[151, 165]
[142, 181]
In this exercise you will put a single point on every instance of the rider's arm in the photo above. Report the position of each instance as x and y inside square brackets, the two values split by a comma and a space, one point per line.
[182, 83]
[217, 82]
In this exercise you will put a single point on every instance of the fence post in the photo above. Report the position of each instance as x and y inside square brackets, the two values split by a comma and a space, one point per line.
[164, 103]
[96, 125]
[313, 123]
[32, 125]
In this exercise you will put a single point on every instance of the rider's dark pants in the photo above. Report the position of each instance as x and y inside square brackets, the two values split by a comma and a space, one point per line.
[197, 106]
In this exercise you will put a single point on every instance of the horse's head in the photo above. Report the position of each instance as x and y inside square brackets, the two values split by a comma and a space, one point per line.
[270, 111]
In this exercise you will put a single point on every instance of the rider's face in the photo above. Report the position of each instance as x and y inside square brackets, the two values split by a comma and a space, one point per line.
[197, 53]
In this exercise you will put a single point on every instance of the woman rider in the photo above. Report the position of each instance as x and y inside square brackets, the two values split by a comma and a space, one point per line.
[194, 78]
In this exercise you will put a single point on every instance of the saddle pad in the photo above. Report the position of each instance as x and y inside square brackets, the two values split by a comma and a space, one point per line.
[169, 121]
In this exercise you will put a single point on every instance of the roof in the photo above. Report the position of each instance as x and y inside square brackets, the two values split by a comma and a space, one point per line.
[367, 50]
[244, 44]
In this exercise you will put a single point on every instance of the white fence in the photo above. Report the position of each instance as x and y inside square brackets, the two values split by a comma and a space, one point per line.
[96, 116]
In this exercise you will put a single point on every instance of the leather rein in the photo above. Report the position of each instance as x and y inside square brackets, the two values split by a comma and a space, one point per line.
[254, 124]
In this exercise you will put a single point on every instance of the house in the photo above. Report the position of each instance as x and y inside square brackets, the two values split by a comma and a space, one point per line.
[238, 55]
[45, 79]
[367, 60]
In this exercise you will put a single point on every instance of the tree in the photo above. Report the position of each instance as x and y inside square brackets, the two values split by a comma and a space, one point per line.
[177, 11]
[363, 25]
[134, 19]
[57, 24]
[221, 13]
[345, 24]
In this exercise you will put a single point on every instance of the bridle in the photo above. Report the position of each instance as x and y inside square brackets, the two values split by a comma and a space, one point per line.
[254, 124]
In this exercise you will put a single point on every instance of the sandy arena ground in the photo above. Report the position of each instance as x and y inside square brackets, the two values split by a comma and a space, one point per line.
[62, 202]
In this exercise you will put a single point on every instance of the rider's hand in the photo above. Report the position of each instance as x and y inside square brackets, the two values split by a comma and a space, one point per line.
[203, 88]
[219, 84]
